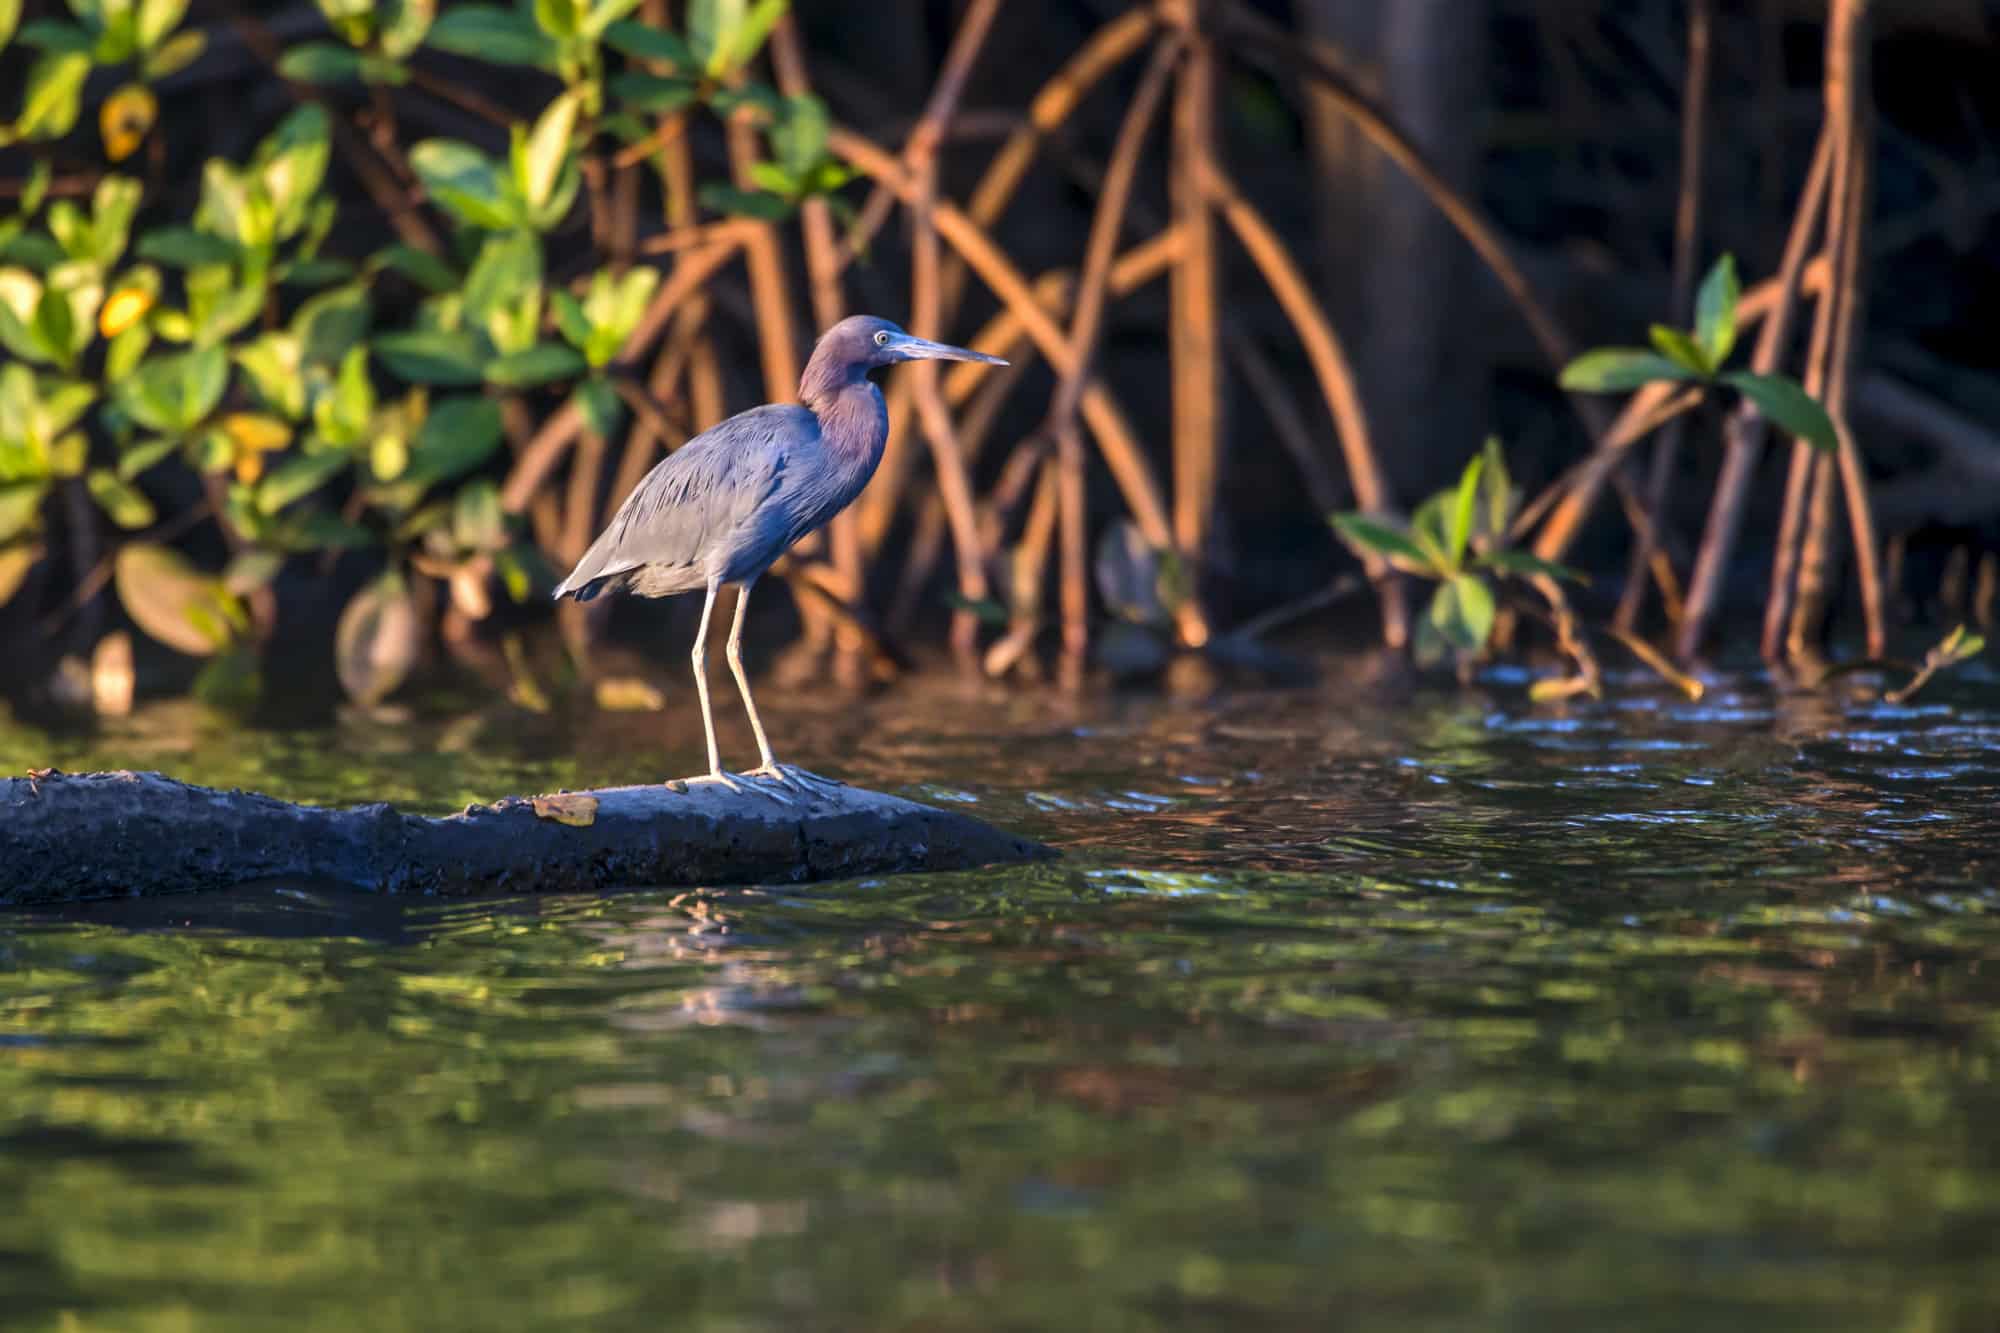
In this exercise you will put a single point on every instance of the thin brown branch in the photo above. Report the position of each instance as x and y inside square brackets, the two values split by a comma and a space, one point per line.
[1086, 323]
[1193, 334]
[931, 127]
[1331, 365]
[1746, 430]
[1687, 249]
[1115, 439]
[822, 247]
[1105, 50]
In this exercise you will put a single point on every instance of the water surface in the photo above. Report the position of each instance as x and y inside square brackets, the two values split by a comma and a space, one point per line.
[1453, 1012]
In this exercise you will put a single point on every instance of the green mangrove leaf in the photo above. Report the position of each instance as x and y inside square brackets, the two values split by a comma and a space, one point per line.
[1499, 489]
[136, 459]
[425, 270]
[433, 356]
[20, 504]
[353, 20]
[465, 183]
[760, 204]
[1430, 527]
[156, 19]
[57, 37]
[601, 407]
[1715, 312]
[173, 394]
[291, 166]
[570, 318]
[654, 94]
[174, 55]
[221, 303]
[184, 247]
[60, 403]
[1682, 350]
[1462, 612]
[505, 279]
[1788, 407]
[1463, 506]
[68, 454]
[1619, 370]
[321, 62]
[273, 363]
[642, 41]
[601, 15]
[407, 23]
[753, 29]
[1372, 536]
[342, 416]
[548, 148]
[330, 323]
[800, 135]
[560, 19]
[54, 95]
[458, 435]
[125, 503]
[544, 363]
[296, 478]
[251, 570]
[492, 33]
[1525, 565]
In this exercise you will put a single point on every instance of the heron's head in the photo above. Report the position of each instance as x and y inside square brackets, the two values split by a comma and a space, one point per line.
[861, 343]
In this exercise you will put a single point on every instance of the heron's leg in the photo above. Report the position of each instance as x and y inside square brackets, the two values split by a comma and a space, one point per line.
[768, 765]
[735, 655]
[699, 658]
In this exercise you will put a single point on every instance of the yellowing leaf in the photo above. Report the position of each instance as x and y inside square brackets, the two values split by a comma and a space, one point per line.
[377, 641]
[629, 694]
[15, 562]
[172, 600]
[126, 118]
[126, 307]
[572, 808]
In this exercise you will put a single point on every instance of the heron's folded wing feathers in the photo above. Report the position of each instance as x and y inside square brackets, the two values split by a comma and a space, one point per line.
[686, 509]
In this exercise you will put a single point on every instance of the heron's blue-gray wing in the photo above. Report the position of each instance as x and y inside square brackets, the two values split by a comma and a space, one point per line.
[683, 520]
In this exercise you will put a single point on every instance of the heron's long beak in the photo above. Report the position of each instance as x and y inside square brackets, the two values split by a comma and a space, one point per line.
[923, 349]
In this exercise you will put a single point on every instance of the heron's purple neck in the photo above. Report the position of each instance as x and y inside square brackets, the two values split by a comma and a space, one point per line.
[853, 419]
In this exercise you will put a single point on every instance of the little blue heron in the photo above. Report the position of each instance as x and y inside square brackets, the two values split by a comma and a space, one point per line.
[723, 507]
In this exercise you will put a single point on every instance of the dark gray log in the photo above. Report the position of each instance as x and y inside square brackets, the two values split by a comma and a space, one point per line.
[66, 837]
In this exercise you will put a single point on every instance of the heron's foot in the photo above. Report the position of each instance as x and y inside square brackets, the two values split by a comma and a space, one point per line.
[715, 779]
[791, 775]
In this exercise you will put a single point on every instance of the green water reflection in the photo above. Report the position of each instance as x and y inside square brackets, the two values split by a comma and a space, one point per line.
[1454, 1013]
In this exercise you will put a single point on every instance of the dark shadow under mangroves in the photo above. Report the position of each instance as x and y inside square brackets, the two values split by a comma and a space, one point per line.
[1452, 1012]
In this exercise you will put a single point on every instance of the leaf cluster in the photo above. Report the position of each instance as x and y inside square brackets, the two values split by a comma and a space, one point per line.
[1458, 538]
[335, 401]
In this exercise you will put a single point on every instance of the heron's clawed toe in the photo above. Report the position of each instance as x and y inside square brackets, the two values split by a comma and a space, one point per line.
[716, 779]
[791, 775]
[759, 777]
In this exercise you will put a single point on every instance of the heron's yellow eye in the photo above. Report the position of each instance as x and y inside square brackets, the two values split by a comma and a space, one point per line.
[882, 338]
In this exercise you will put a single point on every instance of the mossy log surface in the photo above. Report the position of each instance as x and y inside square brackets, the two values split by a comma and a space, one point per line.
[66, 837]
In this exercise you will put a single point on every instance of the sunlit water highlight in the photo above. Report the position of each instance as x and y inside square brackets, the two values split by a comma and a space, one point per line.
[1453, 1013]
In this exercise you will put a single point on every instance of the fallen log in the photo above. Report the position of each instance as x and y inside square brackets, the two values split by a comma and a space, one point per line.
[65, 837]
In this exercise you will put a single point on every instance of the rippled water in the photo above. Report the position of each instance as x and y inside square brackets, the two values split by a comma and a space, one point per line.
[1451, 1012]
